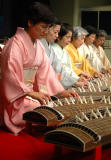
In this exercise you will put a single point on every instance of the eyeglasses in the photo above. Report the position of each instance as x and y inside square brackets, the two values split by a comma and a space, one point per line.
[44, 27]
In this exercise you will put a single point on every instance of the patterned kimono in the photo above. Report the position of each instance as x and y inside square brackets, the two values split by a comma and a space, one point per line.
[24, 68]
[90, 54]
[79, 62]
[102, 57]
[54, 52]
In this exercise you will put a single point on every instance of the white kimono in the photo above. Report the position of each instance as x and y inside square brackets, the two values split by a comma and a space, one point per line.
[102, 56]
[88, 52]
[68, 75]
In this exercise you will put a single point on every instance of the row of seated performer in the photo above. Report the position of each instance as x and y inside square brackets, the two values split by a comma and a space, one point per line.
[48, 58]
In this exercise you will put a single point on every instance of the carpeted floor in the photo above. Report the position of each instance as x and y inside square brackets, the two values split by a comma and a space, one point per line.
[27, 147]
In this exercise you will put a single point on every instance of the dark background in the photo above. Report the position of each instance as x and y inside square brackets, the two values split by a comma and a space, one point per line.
[91, 18]
[11, 12]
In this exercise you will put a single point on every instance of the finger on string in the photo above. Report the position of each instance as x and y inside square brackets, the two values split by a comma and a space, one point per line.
[41, 101]
[48, 96]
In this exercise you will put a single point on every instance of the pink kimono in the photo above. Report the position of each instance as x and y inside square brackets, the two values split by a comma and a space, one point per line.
[25, 67]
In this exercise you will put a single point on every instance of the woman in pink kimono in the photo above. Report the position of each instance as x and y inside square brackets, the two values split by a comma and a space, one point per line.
[26, 72]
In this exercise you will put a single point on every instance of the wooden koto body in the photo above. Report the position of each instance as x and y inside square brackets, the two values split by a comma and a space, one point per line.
[64, 109]
[83, 134]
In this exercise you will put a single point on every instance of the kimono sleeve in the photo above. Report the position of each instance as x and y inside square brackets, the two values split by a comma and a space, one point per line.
[106, 62]
[46, 78]
[75, 69]
[13, 85]
[87, 67]
[68, 75]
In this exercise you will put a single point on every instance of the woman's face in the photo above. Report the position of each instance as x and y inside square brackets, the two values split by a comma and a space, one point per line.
[66, 39]
[99, 41]
[90, 39]
[37, 31]
[78, 42]
[52, 34]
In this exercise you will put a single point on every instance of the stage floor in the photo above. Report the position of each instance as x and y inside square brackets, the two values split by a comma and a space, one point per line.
[27, 147]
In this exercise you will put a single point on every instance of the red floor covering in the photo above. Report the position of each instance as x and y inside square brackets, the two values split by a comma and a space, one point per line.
[27, 147]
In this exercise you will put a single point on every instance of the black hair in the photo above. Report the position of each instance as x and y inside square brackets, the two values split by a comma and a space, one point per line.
[65, 28]
[38, 12]
[101, 33]
[90, 30]
[55, 21]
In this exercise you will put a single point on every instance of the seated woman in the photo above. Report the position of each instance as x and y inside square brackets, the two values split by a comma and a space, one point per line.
[98, 49]
[26, 70]
[87, 51]
[79, 63]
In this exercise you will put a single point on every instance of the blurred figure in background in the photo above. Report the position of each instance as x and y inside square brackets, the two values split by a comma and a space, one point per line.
[79, 63]
[98, 49]
[87, 51]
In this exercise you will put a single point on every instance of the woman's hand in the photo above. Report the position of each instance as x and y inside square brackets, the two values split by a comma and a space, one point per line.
[106, 70]
[69, 93]
[82, 79]
[43, 98]
[98, 74]
[82, 84]
[87, 76]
